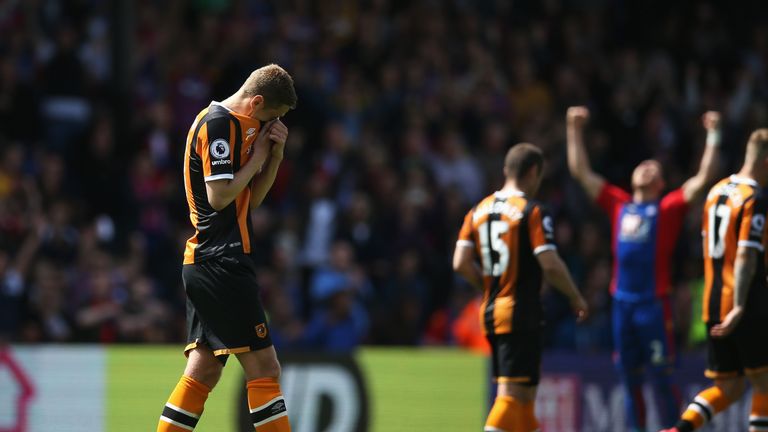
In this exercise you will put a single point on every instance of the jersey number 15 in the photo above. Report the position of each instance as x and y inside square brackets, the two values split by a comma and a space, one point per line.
[492, 246]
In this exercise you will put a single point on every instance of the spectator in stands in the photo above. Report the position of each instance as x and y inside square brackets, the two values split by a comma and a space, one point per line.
[340, 322]
[405, 110]
[143, 317]
[49, 319]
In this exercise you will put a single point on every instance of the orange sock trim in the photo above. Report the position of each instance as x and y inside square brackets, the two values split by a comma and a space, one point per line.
[505, 415]
[758, 418]
[184, 407]
[705, 406]
[268, 411]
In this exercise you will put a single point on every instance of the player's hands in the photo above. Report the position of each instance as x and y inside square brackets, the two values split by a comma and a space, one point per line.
[729, 323]
[577, 117]
[261, 145]
[278, 134]
[711, 120]
[580, 308]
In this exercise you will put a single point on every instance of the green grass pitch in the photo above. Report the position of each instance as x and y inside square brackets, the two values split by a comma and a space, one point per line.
[409, 389]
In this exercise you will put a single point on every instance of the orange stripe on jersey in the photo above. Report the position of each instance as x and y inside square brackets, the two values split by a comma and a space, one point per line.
[505, 230]
[734, 216]
[189, 248]
[242, 203]
[202, 137]
[215, 149]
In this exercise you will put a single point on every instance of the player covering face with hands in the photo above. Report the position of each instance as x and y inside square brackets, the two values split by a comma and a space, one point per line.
[233, 151]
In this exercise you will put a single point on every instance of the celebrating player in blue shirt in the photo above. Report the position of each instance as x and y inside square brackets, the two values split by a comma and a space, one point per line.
[645, 226]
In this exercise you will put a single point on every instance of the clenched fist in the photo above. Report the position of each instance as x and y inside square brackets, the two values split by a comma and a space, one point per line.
[577, 116]
[711, 120]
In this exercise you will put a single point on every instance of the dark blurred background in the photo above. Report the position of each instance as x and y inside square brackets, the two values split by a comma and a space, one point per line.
[406, 109]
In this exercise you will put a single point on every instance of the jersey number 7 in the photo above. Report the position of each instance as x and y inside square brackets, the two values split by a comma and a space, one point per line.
[719, 217]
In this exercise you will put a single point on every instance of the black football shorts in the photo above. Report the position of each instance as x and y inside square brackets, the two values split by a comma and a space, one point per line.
[516, 357]
[744, 351]
[224, 311]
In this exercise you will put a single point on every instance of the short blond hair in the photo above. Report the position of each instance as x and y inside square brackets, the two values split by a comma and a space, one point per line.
[274, 84]
[757, 146]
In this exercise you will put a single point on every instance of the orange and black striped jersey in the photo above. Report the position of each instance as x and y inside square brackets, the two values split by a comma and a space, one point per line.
[734, 217]
[218, 143]
[507, 231]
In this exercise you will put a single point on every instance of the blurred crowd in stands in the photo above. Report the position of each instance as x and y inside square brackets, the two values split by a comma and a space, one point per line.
[406, 109]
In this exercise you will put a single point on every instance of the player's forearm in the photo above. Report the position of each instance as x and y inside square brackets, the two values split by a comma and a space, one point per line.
[697, 184]
[744, 271]
[222, 193]
[578, 160]
[263, 181]
[578, 164]
[471, 273]
[708, 165]
[558, 276]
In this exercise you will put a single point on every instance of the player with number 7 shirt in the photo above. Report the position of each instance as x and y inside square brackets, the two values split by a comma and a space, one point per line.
[511, 237]
[735, 304]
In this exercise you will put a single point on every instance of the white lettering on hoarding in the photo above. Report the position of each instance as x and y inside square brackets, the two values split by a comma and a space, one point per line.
[305, 387]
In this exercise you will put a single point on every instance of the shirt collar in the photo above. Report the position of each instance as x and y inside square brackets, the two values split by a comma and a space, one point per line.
[744, 180]
[221, 105]
[508, 193]
[245, 120]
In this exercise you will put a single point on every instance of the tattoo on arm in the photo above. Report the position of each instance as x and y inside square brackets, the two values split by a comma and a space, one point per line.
[744, 272]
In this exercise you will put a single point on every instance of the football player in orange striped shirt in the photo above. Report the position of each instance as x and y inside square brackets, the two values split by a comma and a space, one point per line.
[735, 305]
[506, 247]
[233, 151]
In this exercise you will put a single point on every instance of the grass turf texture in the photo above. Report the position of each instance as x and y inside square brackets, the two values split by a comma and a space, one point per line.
[140, 379]
[425, 389]
[409, 389]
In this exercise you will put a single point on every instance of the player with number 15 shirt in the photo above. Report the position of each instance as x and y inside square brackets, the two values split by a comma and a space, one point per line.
[507, 230]
[511, 237]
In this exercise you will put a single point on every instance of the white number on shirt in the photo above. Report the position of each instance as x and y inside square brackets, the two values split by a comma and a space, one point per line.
[494, 244]
[721, 214]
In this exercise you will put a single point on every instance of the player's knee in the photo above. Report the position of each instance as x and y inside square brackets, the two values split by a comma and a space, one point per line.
[272, 369]
[213, 374]
[207, 373]
[732, 388]
[759, 382]
[523, 393]
[203, 367]
[261, 367]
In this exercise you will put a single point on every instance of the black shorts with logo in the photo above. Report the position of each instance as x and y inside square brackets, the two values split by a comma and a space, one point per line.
[516, 357]
[224, 311]
[744, 351]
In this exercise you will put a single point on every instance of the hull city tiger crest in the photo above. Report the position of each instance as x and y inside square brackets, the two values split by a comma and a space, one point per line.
[261, 330]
